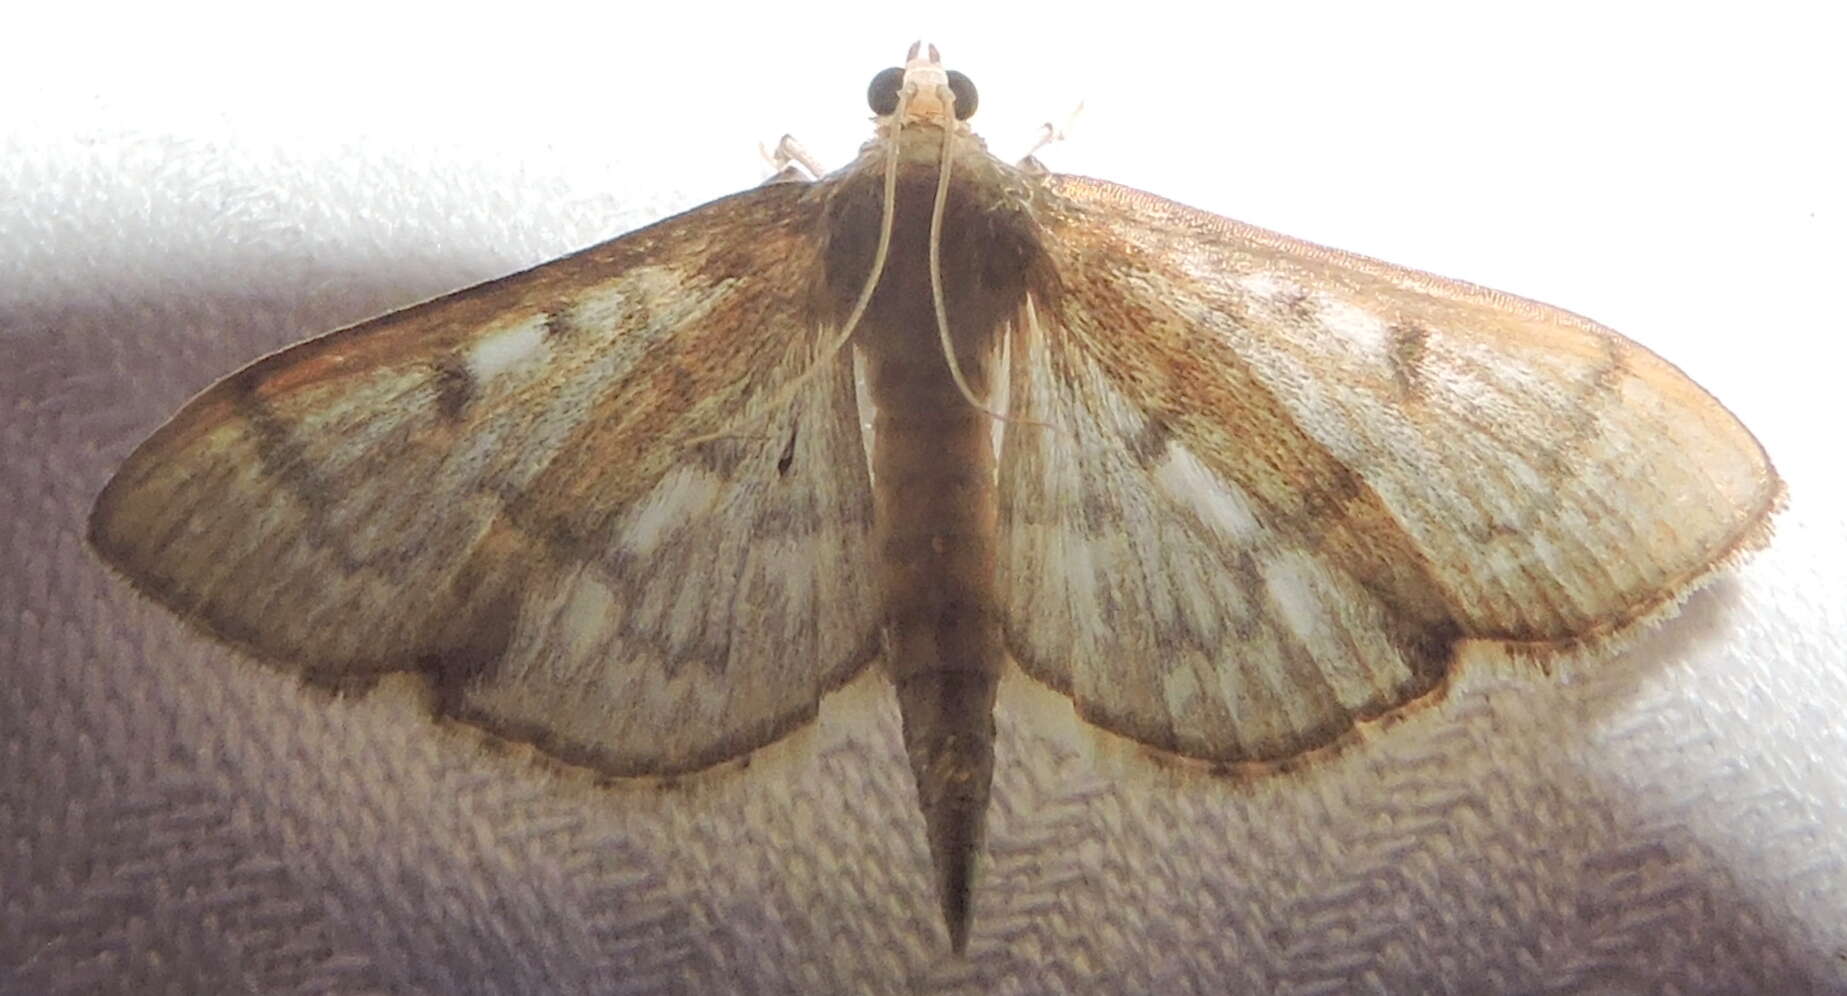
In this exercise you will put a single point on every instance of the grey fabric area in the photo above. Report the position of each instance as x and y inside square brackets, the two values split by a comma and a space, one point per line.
[176, 818]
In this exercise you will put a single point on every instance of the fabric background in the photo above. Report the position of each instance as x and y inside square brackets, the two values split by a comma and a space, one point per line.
[183, 191]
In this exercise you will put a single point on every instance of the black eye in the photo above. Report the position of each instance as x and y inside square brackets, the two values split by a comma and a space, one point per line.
[882, 95]
[964, 90]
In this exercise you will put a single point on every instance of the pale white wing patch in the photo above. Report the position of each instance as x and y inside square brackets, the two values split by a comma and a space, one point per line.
[1217, 502]
[686, 495]
[500, 350]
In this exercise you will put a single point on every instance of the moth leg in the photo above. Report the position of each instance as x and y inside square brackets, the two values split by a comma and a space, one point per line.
[1049, 133]
[792, 163]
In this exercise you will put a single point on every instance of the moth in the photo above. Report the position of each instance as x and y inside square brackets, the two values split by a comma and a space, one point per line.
[1235, 495]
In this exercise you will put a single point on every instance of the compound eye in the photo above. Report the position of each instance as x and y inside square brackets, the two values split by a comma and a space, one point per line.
[882, 95]
[964, 90]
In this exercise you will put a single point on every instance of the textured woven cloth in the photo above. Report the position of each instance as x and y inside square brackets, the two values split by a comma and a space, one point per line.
[175, 818]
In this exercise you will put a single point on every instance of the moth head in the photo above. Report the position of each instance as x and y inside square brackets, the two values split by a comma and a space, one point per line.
[922, 92]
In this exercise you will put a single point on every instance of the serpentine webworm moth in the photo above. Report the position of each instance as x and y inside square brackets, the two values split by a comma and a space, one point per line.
[1249, 495]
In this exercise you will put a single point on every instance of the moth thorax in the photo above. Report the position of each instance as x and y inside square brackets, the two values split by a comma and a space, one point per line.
[987, 244]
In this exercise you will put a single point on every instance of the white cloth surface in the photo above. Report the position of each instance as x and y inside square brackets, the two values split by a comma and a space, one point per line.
[186, 194]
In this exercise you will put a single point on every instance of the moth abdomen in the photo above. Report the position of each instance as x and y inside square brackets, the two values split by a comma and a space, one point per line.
[935, 543]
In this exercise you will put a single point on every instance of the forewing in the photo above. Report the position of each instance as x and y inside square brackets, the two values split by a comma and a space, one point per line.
[579, 496]
[1278, 484]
